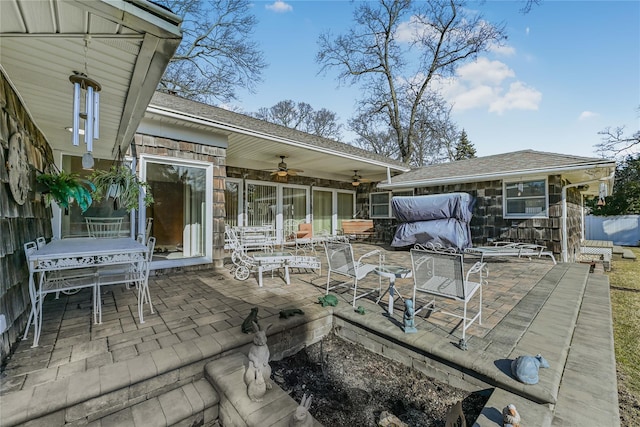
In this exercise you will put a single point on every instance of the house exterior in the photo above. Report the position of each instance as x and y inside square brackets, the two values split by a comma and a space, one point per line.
[236, 157]
[524, 196]
[207, 166]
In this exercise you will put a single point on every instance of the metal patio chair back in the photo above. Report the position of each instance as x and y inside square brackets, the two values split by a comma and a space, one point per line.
[440, 272]
[342, 263]
[105, 228]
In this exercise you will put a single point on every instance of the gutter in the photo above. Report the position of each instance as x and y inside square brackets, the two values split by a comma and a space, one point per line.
[474, 178]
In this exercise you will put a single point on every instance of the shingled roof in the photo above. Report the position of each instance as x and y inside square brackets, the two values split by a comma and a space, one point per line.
[247, 123]
[525, 162]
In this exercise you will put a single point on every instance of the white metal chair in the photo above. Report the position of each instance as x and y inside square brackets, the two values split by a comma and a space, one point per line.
[440, 272]
[63, 280]
[147, 231]
[342, 263]
[41, 242]
[104, 227]
[137, 273]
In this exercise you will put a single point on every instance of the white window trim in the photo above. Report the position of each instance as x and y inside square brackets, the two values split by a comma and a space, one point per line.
[279, 201]
[545, 211]
[238, 181]
[389, 209]
[208, 243]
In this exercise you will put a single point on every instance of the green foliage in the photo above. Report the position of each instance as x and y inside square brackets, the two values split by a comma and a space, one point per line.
[121, 184]
[625, 199]
[65, 188]
[464, 148]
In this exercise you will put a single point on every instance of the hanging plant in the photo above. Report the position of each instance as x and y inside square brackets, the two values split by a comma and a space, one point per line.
[122, 185]
[65, 188]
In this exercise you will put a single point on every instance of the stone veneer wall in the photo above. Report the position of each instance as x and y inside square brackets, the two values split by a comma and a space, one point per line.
[148, 144]
[488, 224]
[19, 223]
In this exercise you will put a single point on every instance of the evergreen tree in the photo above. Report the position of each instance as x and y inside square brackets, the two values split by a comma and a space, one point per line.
[464, 148]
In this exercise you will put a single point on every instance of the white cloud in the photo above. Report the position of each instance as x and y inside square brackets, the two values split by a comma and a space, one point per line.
[502, 50]
[411, 30]
[476, 97]
[527, 30]
[586, 115]
[519, 97]
[484, 71]
[279, 6]
[488, 85]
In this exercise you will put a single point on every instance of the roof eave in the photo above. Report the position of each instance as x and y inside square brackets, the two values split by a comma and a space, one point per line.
[497, 176]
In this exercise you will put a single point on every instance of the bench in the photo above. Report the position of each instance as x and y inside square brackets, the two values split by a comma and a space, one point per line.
[358, 228]
[256, 237]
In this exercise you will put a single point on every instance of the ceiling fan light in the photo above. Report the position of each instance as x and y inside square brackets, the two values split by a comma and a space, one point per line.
[282, 173]
[355, 183]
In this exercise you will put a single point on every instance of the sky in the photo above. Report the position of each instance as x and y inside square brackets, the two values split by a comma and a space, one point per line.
[569, 70]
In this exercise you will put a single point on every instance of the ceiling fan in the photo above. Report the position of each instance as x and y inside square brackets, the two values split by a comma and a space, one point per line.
[283, 170]
[358, 179]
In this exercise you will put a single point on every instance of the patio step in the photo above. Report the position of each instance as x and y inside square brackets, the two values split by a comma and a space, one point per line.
[193, 404]
[617, 252]
[628, 255]
[236, 409]
[588, 392]
[106, 394]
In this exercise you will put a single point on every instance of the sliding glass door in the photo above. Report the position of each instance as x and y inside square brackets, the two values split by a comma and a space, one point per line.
[181, 210]
[330, 207]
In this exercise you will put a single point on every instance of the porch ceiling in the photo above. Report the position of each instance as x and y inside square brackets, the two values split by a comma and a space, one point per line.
[42, 42]
[252, 152]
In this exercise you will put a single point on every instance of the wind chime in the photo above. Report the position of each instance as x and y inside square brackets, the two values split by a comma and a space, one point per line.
[602, 193]
[87, 90]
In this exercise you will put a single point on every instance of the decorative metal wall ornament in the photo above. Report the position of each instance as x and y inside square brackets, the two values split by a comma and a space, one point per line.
[18, 169]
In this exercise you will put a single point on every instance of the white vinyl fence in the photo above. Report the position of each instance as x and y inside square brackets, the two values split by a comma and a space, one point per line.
[623, 230]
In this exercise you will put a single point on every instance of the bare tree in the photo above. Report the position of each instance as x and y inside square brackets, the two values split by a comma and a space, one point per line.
[394, 69]
[615, 142]
[528, 5]
[216, 55]
[303, 117]
[435, 133]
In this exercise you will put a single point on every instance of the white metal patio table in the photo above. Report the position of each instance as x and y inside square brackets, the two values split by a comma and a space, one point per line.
[76, 254]
[392, 272]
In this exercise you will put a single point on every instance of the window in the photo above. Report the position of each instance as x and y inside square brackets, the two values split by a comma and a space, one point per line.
[232, 199]
[181, 211]
[72, 220]
[381, 203]
[524, 199]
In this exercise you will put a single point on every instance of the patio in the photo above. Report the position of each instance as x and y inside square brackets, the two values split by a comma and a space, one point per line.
[120, 370]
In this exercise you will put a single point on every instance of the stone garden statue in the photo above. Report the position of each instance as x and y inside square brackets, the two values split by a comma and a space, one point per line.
[257, 376]
[525, 368]
[510, 416]
[301, 417]
[409, 324]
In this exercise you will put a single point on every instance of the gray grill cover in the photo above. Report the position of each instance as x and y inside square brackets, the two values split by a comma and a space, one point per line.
[449, 232]
[440, 219]
[436, 206]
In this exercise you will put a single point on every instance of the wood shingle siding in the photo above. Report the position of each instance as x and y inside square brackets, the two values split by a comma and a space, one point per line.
[19, 223]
